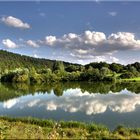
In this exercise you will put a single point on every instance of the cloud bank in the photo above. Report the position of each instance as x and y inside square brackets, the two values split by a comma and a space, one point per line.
[95, 42]
[89, 46]
[92, 45]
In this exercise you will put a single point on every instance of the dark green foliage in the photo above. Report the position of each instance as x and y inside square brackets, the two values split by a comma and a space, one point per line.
[136, 65]
[11, 61]
[127, 75]
[17, 75]
[7, 77]
[58, 66]
[73, 68]
[116, 67]
[97, 65]
[73, 76]
[18, 68]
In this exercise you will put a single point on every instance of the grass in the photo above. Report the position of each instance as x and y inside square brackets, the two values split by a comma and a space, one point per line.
[31, 128]
[136, 79]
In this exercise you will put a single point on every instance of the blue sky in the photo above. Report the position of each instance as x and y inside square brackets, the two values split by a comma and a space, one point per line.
[78, 32]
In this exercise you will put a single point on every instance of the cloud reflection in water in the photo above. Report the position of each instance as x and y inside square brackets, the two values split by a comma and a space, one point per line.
[74, 100]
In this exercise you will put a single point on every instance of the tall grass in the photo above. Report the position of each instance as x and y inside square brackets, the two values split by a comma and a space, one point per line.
[48, 129]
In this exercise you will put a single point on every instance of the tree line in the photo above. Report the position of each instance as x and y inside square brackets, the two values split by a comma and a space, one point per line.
[18, 68]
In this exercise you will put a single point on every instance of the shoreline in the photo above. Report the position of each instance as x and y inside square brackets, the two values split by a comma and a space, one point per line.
[33, 128]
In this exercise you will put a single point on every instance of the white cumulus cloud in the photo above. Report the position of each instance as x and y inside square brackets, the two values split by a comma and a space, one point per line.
[15, 22]
[32, 43]
[50, 40]
[96, 42]
[93, 38]
[9, 44]
[124, 39]
[92, 45]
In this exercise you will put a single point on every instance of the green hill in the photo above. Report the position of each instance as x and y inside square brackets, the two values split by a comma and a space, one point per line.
[9, 60]
[21, 68]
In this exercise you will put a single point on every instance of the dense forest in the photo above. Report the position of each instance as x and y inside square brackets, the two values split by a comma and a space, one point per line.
[21, 68]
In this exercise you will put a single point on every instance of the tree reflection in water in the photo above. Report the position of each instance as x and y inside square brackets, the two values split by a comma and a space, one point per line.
[8, 91]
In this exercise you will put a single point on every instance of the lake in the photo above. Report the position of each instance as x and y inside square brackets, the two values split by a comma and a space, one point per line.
[102, 103]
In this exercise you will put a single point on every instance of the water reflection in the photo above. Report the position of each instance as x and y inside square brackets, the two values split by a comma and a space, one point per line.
[10, 103]
[106, 103]
[95, 103]
[89, 104]
[8, 91]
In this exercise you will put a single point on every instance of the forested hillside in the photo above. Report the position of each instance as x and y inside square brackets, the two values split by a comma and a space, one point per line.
[20, 68]
[11, 61]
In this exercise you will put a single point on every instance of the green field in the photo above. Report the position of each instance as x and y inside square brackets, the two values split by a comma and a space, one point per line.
[30, 128]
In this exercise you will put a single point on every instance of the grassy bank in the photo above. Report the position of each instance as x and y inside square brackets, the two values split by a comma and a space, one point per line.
[30, 128]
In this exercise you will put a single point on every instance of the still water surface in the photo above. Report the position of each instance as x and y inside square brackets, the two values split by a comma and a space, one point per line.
[101, 103]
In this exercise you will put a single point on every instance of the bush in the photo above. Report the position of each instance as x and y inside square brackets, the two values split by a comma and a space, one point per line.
[127, 75]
